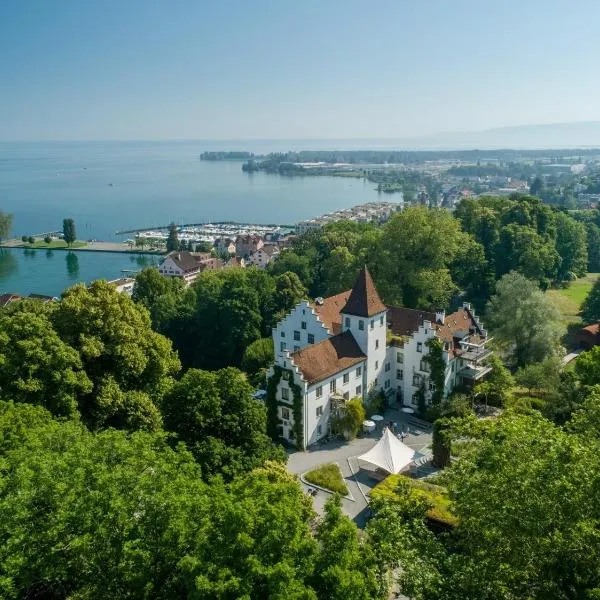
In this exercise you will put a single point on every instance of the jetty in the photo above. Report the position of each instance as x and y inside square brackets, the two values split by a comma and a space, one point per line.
[208, 224]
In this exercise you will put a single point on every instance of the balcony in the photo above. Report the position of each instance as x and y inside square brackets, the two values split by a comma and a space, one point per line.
[476, 355]
[474, 372]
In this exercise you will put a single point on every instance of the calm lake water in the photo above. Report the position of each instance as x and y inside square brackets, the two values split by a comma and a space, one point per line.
[51, 271]
[106, 186]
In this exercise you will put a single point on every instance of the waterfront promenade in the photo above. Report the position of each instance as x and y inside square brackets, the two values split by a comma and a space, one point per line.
[80, 246]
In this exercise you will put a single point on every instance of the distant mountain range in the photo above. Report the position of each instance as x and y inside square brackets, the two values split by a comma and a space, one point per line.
[554, 135]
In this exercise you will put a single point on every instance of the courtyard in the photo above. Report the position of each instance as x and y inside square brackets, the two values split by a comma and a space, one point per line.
[344, 455]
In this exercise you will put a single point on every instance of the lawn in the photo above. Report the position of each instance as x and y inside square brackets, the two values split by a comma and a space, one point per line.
[569, 300]
[329, 477]
[53, 244]
[436, 496]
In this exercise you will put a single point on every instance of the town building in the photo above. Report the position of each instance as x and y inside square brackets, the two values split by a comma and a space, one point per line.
[245, 245]
[123, 285]
[224, 245]
[188, 265]
[351, 345]
[263, 256]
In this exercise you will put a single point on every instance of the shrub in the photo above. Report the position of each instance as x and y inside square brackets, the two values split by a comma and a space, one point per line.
[24, 239]
[329, 477]
[31, 239]
[47, 239]
[349, 418]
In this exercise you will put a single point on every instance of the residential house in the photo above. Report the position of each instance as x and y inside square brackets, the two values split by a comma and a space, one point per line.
[123, 285]
[344, 346]
[188, 265]
[224, 245]
[588, 337]
[263, 256]
[6, 299]
[245, 245]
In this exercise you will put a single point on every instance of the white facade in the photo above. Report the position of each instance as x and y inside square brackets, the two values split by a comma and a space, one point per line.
[299, 328]
[169, 268]
[261, 258]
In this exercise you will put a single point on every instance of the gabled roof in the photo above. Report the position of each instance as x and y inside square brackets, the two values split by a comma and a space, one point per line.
[458, 324]
[8, 298]
[320, 361]
[594, 329]
[364, 301]
[329, 309]
[183, 259]
[406, 321]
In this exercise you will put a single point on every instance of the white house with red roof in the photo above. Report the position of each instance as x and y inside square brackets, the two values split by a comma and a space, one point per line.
[344, 346]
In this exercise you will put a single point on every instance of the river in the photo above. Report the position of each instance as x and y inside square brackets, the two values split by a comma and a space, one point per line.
[106, 186]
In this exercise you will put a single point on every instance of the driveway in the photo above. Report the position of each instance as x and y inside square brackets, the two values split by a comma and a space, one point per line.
[345, 453]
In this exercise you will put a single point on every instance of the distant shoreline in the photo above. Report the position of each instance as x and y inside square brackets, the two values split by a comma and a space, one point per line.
[110, 247]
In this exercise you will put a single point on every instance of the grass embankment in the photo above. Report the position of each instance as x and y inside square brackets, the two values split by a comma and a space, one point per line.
[54, 244]
[329, 477]
[435, 495]
[569, 300]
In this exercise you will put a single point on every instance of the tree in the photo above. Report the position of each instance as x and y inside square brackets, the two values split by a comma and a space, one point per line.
[523, 320]
[288, 292]
[69, 233]
[31, 239]
[203, 247]
[349, 418]
[173, 238]
[593, 239]
[571, 245]
[129, 364]
[417, 247]
[537, 187]
[47, 239]
[290, 261]
[36, 366]
[587, 367]
[258, 357]
[6, 220]
[24, 238]
[543, 377]
[215, 414]
[497, 386]
[140, 242]
[590, 309]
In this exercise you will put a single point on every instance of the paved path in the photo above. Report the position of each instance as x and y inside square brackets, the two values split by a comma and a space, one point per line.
[344, 454]
[569, 357]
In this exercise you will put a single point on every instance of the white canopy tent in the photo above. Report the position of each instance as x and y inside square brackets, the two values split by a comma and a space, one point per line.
[389, 454]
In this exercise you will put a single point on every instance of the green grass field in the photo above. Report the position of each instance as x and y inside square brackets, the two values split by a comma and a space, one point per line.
[328, 477]
[53, 244]
[569, 300]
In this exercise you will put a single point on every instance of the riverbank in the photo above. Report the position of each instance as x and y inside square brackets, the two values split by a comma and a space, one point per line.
[79, 246]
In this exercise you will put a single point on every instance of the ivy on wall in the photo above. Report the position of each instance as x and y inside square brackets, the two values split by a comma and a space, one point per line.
[437, 364]
[272, 404]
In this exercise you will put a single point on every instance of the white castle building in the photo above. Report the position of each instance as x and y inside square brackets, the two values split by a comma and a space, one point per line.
[344, 346]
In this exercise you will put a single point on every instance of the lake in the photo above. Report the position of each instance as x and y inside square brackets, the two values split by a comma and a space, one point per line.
[24, 271]
[107, 186]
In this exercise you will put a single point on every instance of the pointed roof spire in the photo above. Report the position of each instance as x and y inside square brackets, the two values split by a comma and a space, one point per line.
[364, 301]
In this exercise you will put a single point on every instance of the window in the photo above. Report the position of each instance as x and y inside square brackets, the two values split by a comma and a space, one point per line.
[400, 357]
[430, 386]
[381, 321]
[319, 391]
[285, 413]
[347, 321]
[303, 324]
[285, 394]
[311, 338]
[361, 324]
[346, 377]
[283, 334]
[416, 380]
[424, 366]
[376, 344]
[296, 336]
[358, 390]
[386, 385]
[372, 323]
[387, 366]
[419, 347]
[346, 395]
[358, 372]
[399, 374]
[319, 411]
[332, 386]
[296, 348]
[319, 429]
[376, 364]
[282, 346]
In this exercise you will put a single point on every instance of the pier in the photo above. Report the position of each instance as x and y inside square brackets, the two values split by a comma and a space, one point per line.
[205, 224]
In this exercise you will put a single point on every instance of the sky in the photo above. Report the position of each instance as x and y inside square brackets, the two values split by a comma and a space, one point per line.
[277, 69]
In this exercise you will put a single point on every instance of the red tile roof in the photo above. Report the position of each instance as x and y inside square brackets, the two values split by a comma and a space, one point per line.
[457, 325]
[329, 309]
[593, 329]
[320, 361]
[364, 301]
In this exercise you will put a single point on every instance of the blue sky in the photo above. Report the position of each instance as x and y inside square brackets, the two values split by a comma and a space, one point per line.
[190, 69]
